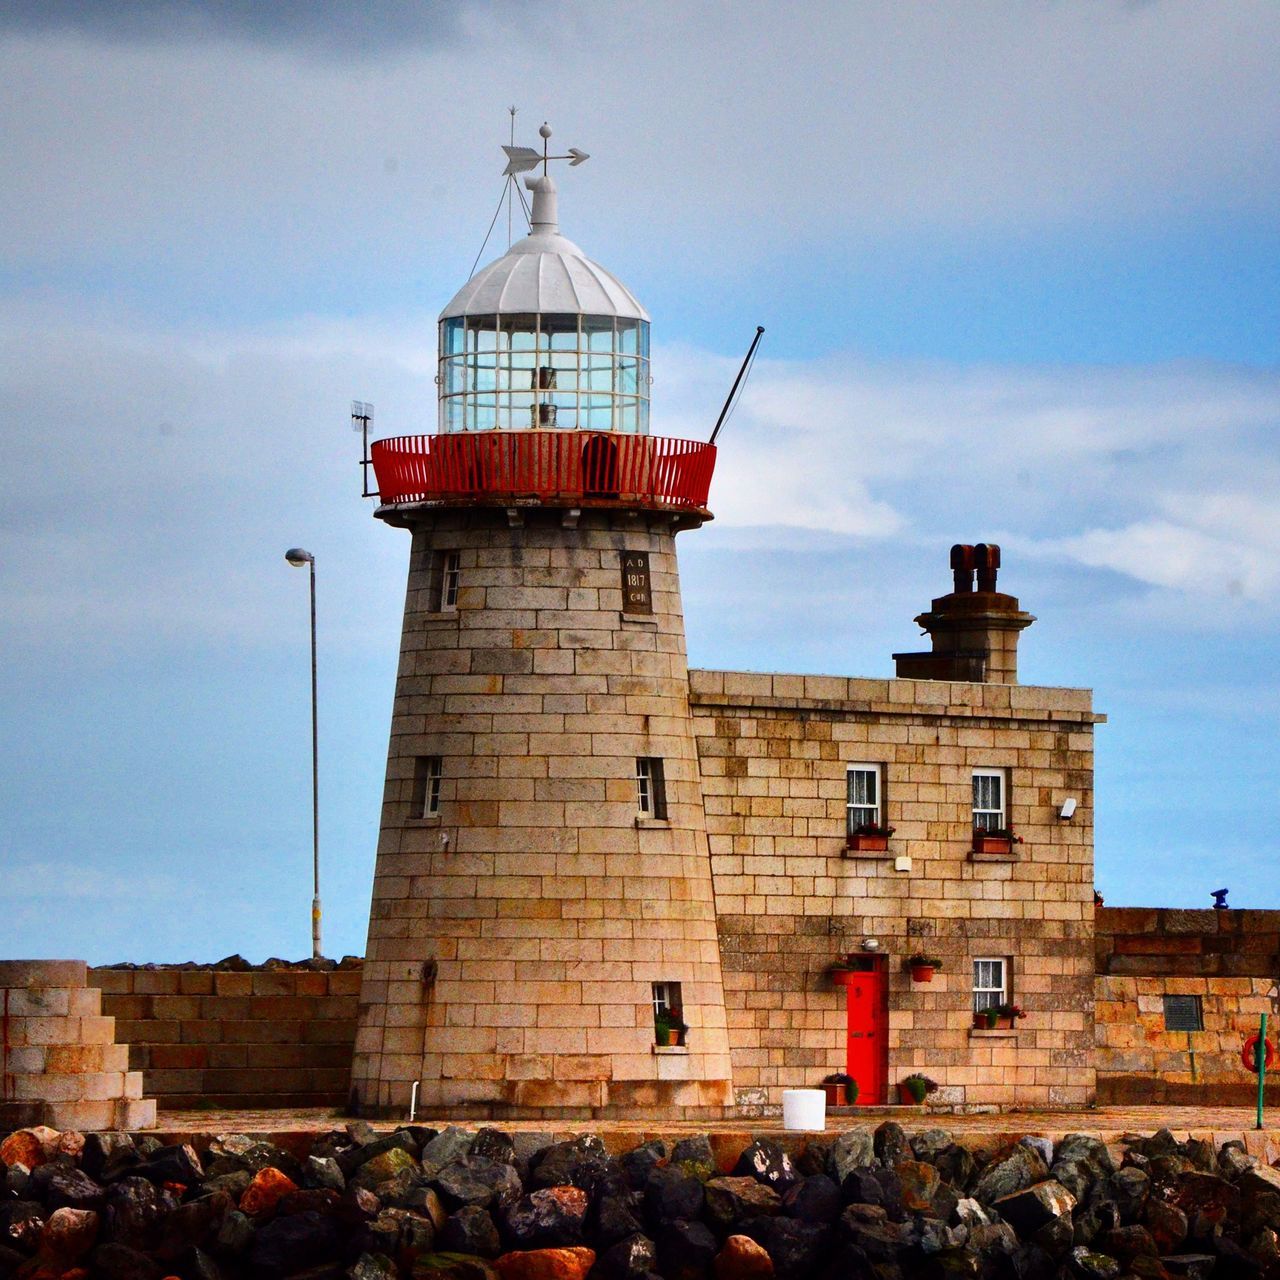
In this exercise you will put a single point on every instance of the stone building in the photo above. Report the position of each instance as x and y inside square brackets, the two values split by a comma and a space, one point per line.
[585, 847]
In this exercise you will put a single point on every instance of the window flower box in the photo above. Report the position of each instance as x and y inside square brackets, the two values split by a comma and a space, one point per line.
[870, 837]
[994, 841]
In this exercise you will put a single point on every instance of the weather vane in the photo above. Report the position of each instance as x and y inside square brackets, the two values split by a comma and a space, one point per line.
[522, 159]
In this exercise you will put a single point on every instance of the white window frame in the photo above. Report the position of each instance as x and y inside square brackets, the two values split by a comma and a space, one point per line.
[667, 1001]
[876, 809]
[450, 573]
[989, 996]
[432, 771]
[991, 819]
[651, 787]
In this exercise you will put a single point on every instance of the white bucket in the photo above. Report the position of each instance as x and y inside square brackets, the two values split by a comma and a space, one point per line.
[804, 1109]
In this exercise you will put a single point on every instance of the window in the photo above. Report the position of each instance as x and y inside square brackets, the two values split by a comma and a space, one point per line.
[1183, 1013]
[990, 983]
[989, 800]
[651, 787]
[666, 1000]
[425, 801]
[863, 805]
[450, 562]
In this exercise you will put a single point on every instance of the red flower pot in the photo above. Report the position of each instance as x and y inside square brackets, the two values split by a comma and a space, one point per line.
[922, 973]
[837, 1094]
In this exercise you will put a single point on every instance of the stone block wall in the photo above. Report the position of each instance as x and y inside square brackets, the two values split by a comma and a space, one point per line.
[1229, 960]
[773, 751]
[60, 1062]
[259, 1038]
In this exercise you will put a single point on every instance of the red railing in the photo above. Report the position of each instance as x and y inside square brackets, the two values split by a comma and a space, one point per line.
[548, 466]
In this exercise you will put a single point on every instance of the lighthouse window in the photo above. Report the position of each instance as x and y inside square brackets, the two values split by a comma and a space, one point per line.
[651, 788]
[450, 572]
[425, 800]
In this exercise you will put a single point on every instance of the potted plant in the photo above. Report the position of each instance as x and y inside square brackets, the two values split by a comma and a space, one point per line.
[1007, 1015]
[915, 1088]
[923, 966]
[841, 1089]
[870, 838]
[844, 968]
[668, 1029]
[985, 1019]
[994, 839]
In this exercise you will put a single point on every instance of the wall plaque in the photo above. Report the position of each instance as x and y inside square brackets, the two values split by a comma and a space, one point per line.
[1183, 1013]
[637, 596]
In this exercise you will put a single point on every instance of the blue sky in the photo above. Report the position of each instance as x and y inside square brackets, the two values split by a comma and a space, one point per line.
[1019, 268]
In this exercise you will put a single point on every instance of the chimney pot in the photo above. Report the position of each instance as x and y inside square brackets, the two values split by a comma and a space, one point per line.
[962, 566]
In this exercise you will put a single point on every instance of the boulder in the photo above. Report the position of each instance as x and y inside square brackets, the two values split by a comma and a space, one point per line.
[615, 1213]
[234, 1236]
[638, 1163]
[1043, 1147]
[453, 1266]
[580, 1163]
[108, 1155]
[929, 1144]
[1075, 1175]
[131, 1206]
[816, 1199]
[686, 1250]
[447, 1146]
[853, 1149]
[22, 1224]
[471, 1230]
[546, 1264]
[1085, 1148]
[1029, 1210]
[321, 1199]
[177, 1163]
[493, 1144]
[742, 1258]
[766, 1162]
[795, 1247]
[1088, 1265]
[694, 1157]
[671, 1194]
[353, 1158]
[372, 1266]
[732, 1201]
[890, 1144]
[874, 1238]
[188, 1226]
[69, 1234]
[286, 1245]
[552, 1217]
[634, 1258]
[31, 1147]
[115, 1261]
[71, 1188]
[323, 1171]
[1210, 1203]
[268, 1188]
[957, 1166]
[1017, 1169]
[1192, 1266]
[479, 1181]
[1166, 1223]
[919, 1183]
[1127, 1243]
[385, 1167]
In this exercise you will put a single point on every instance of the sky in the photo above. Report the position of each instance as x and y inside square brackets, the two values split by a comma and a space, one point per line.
[1019, 270]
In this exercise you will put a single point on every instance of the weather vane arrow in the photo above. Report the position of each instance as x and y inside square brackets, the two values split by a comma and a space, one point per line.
[522, 159]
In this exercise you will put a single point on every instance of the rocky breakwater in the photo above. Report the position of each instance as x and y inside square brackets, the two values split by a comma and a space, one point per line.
[422, 1204]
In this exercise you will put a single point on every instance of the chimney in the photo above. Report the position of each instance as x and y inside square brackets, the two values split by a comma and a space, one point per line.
[974, 630]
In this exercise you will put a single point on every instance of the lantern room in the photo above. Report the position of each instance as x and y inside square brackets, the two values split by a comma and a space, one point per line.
[544, 338]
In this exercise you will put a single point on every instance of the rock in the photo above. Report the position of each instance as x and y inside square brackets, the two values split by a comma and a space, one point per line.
[1075, 1175]
[862, 1187]
[1194, 1266]
[372, 1266]
[420, 1200]
[732, 1201]
[875, 1239]
[641, 1161]
[929, 1144]
[31, 1146]
[287, 1245]
[471, 1230]
[766, 1162]
[268, 1187]
[615, 1213]
[794, 1246]
[694, 1157]
[1259, 1180]
[1030, 1210]
[853, 1149]
[132, 1205]
[686, 1250]
[580, 1163]
[1089, 1265]
[187, 1226]
[453, 1266]
[742, 1258]
[1201, 1155]
[1127, 1243]
[119, 1262]
[1166, 1223]
[107, 1156]
[552, 1217]
[1210, 1202]
[235, 1235]
[72, 1188]
[1233, 1160]
[969, 1213]
[890, 1144]
[447, 1146]
[320, 1199]
[919, 1183]
[22, 1224]
[1086, 1149]
[69, 1234]
[634, 1258]
[323, 1171]
[235, 1183]
[890, 1193]
[1020, 1168]
[493, 1144]
[816, 1199]
[671, 1194]
[358, 1155]
[14, 1183]
[383, 1167]
[476, 1180]
[546, 1264]
[957, 1166]
[178, 1163]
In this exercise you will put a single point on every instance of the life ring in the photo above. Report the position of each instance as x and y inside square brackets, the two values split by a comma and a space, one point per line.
[1249, 1054]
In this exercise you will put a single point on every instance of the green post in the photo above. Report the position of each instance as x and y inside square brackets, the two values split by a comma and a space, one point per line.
[1262, 1065]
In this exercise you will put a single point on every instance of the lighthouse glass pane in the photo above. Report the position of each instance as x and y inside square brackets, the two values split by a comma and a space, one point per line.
[644, 339]
[453, 340]
[597, 334]
[629, 336]
[627, 377]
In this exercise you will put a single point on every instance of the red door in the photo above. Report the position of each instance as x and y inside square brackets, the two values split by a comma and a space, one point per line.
[868, 1054]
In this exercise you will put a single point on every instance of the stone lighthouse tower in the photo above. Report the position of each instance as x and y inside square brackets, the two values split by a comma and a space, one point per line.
[542, 938]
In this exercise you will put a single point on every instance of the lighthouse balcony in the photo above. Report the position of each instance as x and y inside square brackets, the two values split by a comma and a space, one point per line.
[569, 468]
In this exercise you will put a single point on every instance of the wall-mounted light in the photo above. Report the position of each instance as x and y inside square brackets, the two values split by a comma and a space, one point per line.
[871, 944]
[1067, 812]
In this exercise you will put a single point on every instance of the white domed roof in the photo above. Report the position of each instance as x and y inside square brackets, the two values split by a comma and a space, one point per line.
[544, 273]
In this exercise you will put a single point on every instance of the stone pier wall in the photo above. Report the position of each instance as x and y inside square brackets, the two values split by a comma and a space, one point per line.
[260, 1038]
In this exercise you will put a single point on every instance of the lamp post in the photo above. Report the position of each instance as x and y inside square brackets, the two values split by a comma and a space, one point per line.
[297, 557]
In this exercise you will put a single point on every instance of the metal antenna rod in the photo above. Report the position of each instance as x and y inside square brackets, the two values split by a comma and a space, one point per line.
[733, 391]
[511, 179]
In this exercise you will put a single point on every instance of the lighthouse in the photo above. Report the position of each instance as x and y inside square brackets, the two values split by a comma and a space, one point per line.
[542, 936]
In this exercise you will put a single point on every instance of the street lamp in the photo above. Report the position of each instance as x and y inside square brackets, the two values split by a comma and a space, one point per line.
[297, 557]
